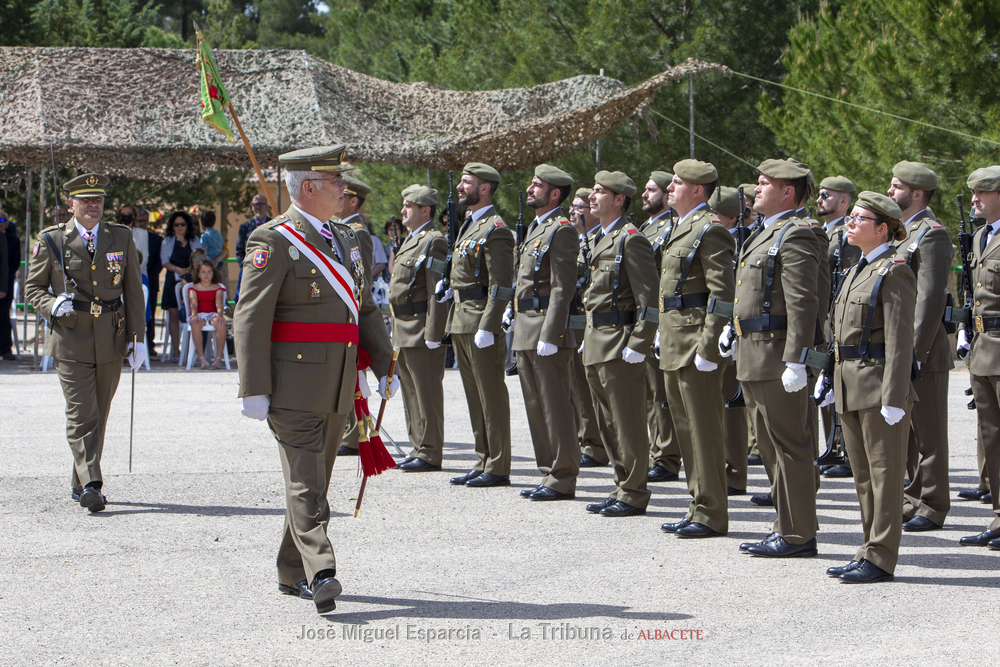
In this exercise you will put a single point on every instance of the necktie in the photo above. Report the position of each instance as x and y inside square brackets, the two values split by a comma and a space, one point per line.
[88, 237]
[985, 239]
[327, 233]
[862, 263]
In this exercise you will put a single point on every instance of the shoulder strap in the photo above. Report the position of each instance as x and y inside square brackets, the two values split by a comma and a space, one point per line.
[538, 260]
[866, 332]
[618, 269]
[913, 246]
[689, 260]
[772, 255]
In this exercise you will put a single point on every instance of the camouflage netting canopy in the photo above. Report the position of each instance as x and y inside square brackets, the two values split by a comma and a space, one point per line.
[135, 113]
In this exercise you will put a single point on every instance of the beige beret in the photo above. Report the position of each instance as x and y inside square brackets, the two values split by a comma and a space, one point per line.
[917, 175]
[696, 171]
[583, 193]
[783, 169]
[986, 179]
[837, 184]
[749, 191]
[421, 195]
[616, 181]
[878, 203]
[553, 175]
[725, 201]
[662, 179]
[482, 171]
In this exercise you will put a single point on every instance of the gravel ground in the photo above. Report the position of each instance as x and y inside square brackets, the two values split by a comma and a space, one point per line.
[180, 567]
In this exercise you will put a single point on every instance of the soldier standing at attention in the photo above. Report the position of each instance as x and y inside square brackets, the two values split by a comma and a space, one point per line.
[621, 324]
[545, 346]
[928, 251]
[482, 279]
[873, 322]
[664, 453]
[774, 318]
[84, 279]
[697, 267]
[979, 341]
[305, 311]
[418, 327]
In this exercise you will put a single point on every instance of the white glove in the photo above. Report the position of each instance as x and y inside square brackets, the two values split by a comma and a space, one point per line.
[703, 364]
[484, 339]
[580, 351]
[255, 407]
[546, 349]
[823, 400]
[392, 389]
[892, 415]
[794, 377]
[919, 365]
[508, 318]
[632, 357]
[727, 341]
[656, 344]
[963, 345]
[63, 305]
[432, 344]
[136, 356]
[448, 294]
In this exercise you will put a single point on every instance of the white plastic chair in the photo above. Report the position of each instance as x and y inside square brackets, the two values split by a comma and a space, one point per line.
[187, 345]
[13, 318]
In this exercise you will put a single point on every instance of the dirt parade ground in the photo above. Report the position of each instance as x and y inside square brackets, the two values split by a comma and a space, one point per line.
[180, 567]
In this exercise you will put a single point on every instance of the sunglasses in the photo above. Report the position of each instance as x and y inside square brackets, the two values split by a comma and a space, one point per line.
[180, 224]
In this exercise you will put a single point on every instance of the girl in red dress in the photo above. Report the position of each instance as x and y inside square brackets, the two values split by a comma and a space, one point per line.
[206, 305]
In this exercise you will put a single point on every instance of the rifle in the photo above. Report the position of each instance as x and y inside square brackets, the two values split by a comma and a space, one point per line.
[742, 234]
[395, 237]
[452, 228]
[963, 315]
[520, 233]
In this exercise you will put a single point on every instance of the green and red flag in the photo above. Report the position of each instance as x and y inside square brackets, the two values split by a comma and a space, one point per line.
[214, 97]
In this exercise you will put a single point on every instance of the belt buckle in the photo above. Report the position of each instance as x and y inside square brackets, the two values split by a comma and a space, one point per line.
[516, 310]
[980, 328]
[392, 310]
[663, 307]
[95, 309]
[736, 325]
[590, 318]
[836, 353]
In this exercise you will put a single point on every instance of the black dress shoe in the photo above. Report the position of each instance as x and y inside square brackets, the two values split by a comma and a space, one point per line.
[745, 546]
[75, 495]
[919, 524]
[824, 468]
[405, 461]
[660, 474]
[839, 471]
[865, 573]
[838, 570]
[545, 493]
[588, 461]
[418, 465]
[526, 493]
[595, 508]
[754, 460]
[300, 590]
[762, 499]
[346, 451]
[980, 540]
[461, 480]
[779, 548]
[733, 491]
[695, 530]
[618, 508]
[994, 544]
[324, 593]
[489, 479]
[92, 499]
[674, 527]
[988, 499]
[972, 494]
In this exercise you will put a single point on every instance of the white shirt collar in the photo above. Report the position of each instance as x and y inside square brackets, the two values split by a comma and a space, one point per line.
[81, 230]
[691, 212]
[351, 217]
[877, 252]
[768, 221]
[417, 230]
[540, 219]
[913, 216]
[605, 229]
[830, 225]
[659, 215]
[480, 213]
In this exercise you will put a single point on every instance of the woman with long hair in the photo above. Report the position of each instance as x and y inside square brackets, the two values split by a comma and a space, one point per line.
[175, 254]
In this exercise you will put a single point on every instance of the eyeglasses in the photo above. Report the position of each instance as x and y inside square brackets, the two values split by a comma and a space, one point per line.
[825, 195]
[339, 179]
[856, 219]
[180, 224]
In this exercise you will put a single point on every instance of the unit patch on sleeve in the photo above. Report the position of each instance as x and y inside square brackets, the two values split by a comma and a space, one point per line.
[260, 258]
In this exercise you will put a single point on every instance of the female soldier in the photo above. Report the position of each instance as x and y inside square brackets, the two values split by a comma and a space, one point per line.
[873, 328]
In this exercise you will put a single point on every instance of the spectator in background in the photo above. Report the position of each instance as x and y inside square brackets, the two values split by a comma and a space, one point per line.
[175, 255]
[211, 240]
[61, 214]
[260, 216]
[206, 305]
[126, 215]
[153, 268]
[10, 262]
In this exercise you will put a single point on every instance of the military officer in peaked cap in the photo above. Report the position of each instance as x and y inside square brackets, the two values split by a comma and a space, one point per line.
[545, 345]
[482, 279]
[621, 323]
[774, 319]
[928, 251]
[305, 309]
[84, 279]
[979, 341]
[664, 453]
[873, 328]
[418, 327]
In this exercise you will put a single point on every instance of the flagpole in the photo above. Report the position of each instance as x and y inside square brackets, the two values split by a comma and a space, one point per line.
[256, 167]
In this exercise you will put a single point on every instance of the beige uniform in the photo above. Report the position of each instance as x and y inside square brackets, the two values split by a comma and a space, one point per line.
[417, 318]
[589, 432]
[864, 381]
[297, 343]
[789, 304]
[482, 276]
[546, 284]
[621, 312]
[88, 344]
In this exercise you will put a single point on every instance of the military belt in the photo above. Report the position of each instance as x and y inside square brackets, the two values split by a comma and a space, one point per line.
[410, 308]
[984, 324]
[610, 319]
[683, 301]
[762, 323]
[853, 352]
[536, 303]
[97, 306]
[477, 292]
[314, 332]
